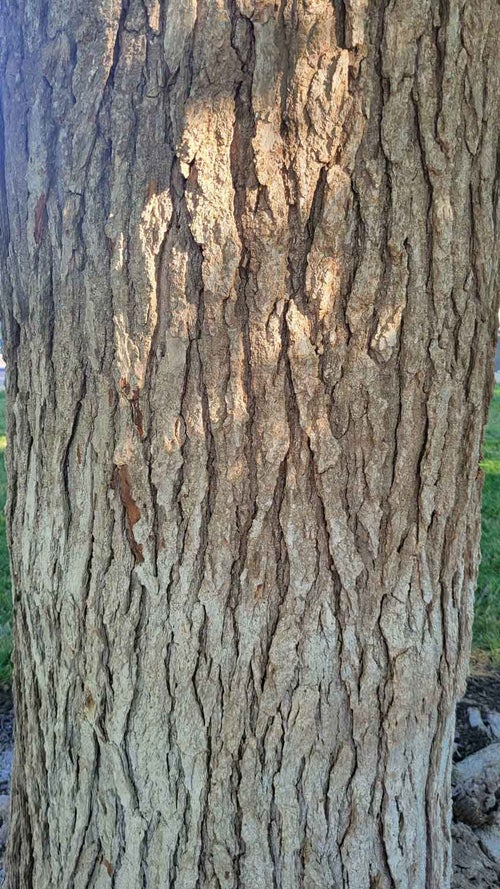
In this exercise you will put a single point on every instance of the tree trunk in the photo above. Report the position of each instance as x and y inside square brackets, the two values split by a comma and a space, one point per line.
[249, 257]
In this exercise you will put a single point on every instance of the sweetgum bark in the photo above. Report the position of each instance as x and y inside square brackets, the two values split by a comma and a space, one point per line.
[248, 270]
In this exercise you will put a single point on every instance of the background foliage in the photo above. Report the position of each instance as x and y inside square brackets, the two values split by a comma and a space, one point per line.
[487, 617]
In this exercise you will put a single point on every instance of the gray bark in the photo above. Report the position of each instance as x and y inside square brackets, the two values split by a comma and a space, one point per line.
[249, 263]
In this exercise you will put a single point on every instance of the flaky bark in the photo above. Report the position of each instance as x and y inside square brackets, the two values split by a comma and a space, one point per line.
[248, 270]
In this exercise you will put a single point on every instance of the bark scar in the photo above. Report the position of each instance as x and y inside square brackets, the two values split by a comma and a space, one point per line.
[132, 511]
[40, 219]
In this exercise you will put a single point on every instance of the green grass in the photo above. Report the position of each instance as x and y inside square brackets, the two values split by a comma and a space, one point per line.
[5, 591]
[487, 616]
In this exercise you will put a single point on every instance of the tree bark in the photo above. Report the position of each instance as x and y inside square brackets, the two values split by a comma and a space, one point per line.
[249, 268]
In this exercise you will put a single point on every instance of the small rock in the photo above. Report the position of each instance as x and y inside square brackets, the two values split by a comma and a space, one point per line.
[469, 805]
[5, 764]
[493, 720]
[4, 807]
[475, 719]
[477, 764]
[490, 840]
[472, 866]
[4, 822]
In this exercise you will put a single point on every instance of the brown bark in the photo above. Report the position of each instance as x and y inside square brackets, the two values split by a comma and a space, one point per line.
[248, 272]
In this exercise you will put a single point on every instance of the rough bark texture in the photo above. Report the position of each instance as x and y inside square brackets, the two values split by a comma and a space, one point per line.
[249, 258]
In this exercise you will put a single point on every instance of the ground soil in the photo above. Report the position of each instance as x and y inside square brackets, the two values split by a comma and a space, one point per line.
[6, 743]
[474, 865]
[483, 694]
